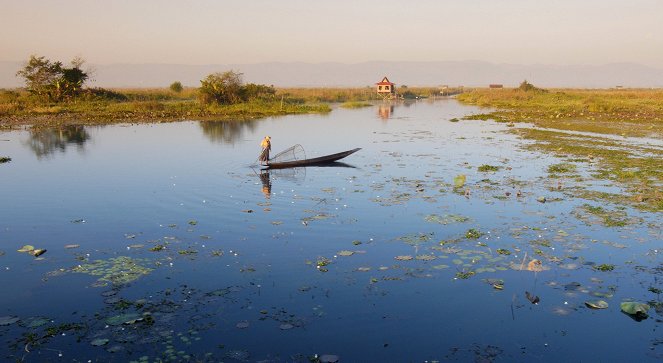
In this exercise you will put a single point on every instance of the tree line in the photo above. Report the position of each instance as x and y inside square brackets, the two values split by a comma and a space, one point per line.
[55, 82]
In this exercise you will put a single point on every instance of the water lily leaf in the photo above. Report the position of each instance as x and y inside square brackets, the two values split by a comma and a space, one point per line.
[36, 322]
[636, 309]
[37, 252]
[122, 319]
[71, 246]
[26, 248]
[242, 325]
[286, 326]
[345, 253]
[459, 180]
[8, 320]
[597, 304]
[404, 258]
[99, 342]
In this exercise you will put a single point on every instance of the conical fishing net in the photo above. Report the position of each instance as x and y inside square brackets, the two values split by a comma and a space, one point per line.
[292, 153]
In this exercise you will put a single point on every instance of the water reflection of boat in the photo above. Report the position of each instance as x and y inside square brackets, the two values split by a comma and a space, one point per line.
[322, 160]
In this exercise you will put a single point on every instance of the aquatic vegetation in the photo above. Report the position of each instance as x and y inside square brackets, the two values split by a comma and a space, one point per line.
[118, 270]
[5, 159]
[597, 304]
[503, 251]
[355, 104]
[31, 250]
[446, 219]
[473, 234]
[604, 267]
[459, 180]
[608, 218]
[485, 168]
[637, 310]
[562, 168]
[465, 274]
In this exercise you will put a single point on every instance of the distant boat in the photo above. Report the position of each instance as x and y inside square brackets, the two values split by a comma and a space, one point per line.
[327, 159]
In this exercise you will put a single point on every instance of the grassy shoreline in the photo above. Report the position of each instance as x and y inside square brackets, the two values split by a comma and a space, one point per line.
[610, 115]
[17, 108]
[130, 105]
[625, 112]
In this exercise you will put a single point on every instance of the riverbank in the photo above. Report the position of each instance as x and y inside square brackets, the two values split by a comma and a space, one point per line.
[619, 132]
[17, 108]
[630, 112]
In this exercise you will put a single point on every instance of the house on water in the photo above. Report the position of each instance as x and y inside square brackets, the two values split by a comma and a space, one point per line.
[385, 88]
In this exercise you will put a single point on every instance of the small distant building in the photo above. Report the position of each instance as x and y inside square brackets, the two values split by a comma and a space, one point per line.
[385, 88]
[495, 86]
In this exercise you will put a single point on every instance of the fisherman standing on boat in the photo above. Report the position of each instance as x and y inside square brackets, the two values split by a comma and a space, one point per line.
[266, 146]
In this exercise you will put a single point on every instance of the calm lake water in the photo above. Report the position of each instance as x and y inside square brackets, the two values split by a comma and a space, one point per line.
[163, 244]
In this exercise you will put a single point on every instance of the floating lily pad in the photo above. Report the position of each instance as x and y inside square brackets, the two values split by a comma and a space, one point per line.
[26, 248]
[99, 342]
[459, 180]
[71, 246]
[122, 319]
[446, 219]
[426, 257]
[440, 267]
[36, 322]
[345, 253]
[286, 326]
[37, 252]
[242, 325]
[635, 309]
[597, 304]
[404, 258]
[8, 320]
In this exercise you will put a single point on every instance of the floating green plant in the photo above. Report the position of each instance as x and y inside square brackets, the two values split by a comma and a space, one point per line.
[562, 168]
[604, 267]
[118, 271]
[485, 168]
[473, 234]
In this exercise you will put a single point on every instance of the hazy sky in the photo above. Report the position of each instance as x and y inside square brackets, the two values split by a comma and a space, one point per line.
[347, 31]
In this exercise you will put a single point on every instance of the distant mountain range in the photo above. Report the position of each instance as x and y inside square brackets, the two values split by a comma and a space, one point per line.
[452, 73]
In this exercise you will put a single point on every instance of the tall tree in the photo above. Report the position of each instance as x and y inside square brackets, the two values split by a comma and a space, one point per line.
[51, 80]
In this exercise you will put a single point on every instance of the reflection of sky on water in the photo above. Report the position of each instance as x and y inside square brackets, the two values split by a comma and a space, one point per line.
[143, 184]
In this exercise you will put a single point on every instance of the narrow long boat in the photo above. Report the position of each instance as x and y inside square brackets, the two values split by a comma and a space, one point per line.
[311, 162]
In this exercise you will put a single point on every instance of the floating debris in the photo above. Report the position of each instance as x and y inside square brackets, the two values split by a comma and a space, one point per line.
[532, 298]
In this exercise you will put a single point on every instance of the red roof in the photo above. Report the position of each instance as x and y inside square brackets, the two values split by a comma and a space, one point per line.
[384, 82]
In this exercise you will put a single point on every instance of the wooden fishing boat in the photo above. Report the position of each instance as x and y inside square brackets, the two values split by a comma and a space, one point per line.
[327, 159]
